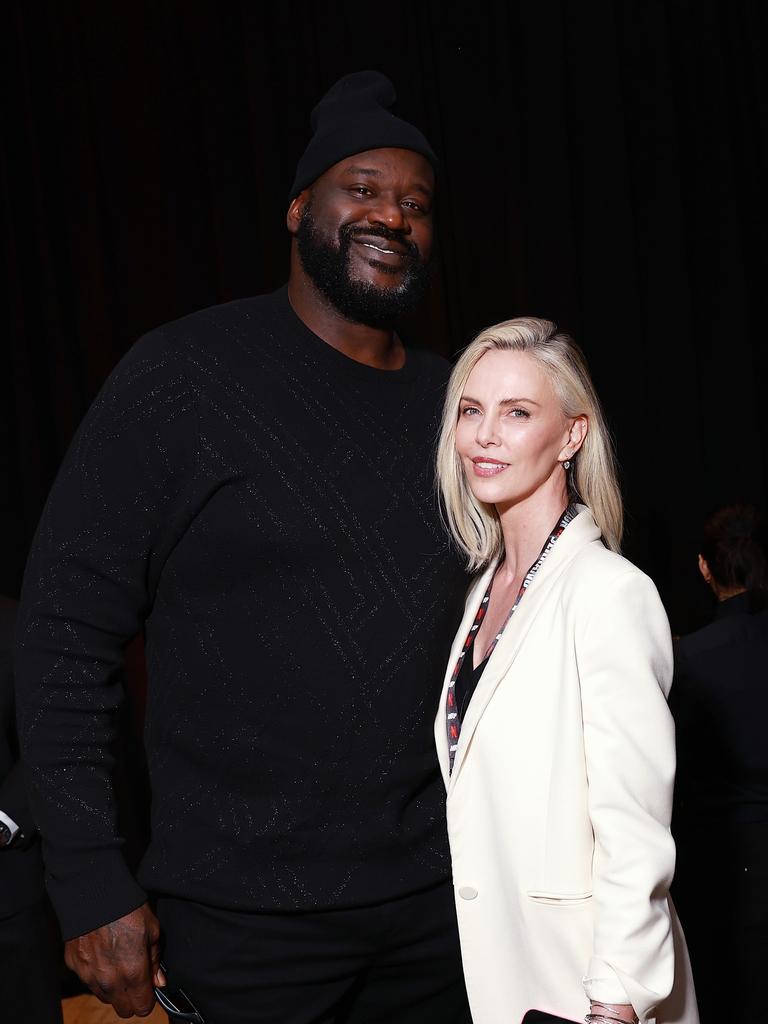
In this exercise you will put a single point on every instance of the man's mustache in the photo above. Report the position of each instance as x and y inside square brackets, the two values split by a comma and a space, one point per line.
[348, 231]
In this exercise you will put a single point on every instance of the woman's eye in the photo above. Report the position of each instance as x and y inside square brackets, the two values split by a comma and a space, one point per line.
[469, 410]
[519, 413]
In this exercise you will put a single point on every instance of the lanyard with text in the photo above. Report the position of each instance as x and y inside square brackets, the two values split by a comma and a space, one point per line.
[453, 724]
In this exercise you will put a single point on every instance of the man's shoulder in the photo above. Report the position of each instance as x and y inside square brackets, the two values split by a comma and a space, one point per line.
[224, 319]
[190, 344]
[430, 361]
[433, 370]
[740, 629]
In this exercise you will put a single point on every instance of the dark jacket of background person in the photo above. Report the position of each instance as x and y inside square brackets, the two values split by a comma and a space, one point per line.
[719, 700]
[28, 948]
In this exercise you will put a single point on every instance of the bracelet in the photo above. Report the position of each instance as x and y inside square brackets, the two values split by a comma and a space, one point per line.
[614, 1013]
[612, 1017]
[601, 1018]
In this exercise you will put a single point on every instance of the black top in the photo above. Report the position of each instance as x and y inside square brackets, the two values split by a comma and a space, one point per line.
[467, 679]
[266, 507]
[719, 699]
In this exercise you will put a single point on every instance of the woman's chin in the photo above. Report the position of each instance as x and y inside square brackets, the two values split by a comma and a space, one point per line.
[490, 493]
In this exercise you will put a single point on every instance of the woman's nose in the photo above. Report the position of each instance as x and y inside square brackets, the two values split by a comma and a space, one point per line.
[486, 431]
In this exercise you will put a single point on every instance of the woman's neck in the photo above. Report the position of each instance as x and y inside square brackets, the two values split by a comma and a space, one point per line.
[526, 524]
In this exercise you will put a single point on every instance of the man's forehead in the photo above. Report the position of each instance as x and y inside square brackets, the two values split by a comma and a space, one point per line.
[380, 163]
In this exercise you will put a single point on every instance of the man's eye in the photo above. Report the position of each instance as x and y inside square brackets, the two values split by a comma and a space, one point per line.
[361, 190]
[413, 205]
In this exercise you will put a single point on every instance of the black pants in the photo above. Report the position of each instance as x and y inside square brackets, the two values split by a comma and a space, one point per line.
[721, 894]
[394, 963]
[29, 967]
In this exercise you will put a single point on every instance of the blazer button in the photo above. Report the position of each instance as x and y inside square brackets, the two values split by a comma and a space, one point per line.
[468, 892]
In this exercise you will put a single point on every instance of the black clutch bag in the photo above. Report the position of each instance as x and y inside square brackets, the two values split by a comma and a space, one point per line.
[540, 1017]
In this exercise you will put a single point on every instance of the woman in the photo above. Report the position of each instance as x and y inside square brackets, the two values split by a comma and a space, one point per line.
[720, 704]
[554, 736]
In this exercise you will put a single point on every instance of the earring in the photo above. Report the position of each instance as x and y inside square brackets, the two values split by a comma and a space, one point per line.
[567, 464]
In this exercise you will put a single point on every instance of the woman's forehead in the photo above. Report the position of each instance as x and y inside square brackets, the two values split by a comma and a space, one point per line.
[501, 369]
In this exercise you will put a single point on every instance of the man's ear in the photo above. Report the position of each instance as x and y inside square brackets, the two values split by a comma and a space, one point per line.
[704, 569]
[295, 211]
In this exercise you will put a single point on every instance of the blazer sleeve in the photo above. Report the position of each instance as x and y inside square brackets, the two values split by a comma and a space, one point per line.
[624, 653]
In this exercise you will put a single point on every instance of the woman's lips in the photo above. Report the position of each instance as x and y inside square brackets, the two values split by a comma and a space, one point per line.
[488, 467]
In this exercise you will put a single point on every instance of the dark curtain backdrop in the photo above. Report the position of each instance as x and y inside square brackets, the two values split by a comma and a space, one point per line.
[604, 166]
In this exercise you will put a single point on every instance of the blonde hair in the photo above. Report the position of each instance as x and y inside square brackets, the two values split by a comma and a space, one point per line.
[592, 479]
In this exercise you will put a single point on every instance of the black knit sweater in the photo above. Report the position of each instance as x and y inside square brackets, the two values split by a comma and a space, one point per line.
[264, 507]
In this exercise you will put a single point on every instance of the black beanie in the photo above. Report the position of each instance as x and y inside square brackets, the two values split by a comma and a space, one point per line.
[351, 118]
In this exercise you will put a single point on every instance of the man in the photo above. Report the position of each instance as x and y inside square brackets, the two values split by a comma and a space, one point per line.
[29, 949]
[719, 700]
[253, 487]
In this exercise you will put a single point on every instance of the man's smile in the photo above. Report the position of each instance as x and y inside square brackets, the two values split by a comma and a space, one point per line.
[382, 246]
[378, 248]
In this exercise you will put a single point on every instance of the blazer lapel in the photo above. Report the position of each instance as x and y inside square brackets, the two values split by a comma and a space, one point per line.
[581, 531]
[474, 597]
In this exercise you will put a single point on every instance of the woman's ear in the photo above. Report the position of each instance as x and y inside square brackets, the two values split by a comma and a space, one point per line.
[577, 431]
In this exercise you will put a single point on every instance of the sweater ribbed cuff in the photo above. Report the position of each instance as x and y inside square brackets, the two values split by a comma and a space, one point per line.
[101, 891]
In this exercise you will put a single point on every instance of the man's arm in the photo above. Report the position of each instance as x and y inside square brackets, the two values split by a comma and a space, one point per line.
[115, 511]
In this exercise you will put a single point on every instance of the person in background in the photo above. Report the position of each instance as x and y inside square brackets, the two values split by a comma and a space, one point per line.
[553, 731]
[253, 489]
[30, 948]
[720, 704]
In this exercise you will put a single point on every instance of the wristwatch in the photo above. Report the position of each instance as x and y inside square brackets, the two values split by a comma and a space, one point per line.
[9, 830]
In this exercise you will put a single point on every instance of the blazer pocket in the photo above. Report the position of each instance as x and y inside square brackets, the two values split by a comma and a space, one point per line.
[559, 899]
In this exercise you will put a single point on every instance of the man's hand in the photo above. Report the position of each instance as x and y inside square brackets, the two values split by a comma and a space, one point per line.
[120, 962]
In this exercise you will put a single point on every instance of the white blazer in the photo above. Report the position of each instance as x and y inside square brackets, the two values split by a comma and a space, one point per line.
[560, 798]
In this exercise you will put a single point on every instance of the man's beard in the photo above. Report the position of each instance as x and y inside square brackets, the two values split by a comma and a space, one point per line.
[361, 302]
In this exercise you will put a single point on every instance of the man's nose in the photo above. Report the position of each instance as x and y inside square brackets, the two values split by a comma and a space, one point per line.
[389, 213]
